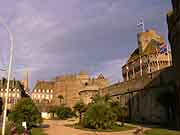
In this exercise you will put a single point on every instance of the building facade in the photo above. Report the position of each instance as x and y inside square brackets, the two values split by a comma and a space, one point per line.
[16, 91]
[147, 58]
[69, 87]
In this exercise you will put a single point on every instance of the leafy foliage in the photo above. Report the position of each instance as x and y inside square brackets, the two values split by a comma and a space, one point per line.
[60, 99]
[99, 116]
[121, 112]
[63, 112]
[103, 112]
[25, 110]
[80, 108]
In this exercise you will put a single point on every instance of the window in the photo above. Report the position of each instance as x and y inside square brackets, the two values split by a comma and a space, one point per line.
[51, 91]
[35, 90]
[39, 90]
[18, 95]
[47, 91]
[43, 90]
[51, 96]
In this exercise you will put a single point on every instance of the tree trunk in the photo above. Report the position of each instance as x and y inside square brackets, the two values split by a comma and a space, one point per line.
[80, 117]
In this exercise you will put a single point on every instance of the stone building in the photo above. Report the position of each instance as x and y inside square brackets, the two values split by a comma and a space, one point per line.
[88, 92]
[69, 86]
[25, 82]
[147, 58]
[141, 86]
[16, 91]
[43, 92]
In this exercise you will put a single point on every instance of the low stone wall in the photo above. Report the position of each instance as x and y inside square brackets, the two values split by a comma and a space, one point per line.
[140, 96]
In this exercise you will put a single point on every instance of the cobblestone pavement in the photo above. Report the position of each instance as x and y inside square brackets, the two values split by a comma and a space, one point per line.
[57, 128]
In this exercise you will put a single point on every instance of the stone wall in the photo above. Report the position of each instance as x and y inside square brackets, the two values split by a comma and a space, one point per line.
[140, 96]
[173, 19]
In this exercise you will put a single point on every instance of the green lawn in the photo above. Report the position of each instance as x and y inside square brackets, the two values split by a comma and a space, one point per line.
[159, 131]
[37, 131]
[115, 128]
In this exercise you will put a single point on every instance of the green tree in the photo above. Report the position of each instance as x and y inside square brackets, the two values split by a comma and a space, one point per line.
[80, 108]
[99, 116]
[60, 99]
[120, 111]
[64, 112]
[25, 110]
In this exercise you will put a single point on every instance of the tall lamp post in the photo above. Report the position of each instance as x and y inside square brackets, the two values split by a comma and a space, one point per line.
[9, 74]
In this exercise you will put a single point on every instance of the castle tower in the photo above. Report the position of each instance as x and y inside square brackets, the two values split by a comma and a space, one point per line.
[145, 38]
[25, 82]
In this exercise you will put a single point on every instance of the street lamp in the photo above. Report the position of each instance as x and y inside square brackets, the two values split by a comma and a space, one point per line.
[9, 74]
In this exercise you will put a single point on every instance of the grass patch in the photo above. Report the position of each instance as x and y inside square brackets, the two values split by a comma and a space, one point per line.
[37, 131]
[159, 131]
[115, 128]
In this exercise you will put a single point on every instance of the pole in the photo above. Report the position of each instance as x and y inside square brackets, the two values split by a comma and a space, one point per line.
[133, 72]
[169, 62]
[141, 66]
[127, 73]
[157, 58]
[9, 75]
[141, 23]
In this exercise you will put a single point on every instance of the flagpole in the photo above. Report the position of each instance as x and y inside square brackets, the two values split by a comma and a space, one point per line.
[141, 23]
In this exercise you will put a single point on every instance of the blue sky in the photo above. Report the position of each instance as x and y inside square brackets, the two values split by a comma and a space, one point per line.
[54, 37]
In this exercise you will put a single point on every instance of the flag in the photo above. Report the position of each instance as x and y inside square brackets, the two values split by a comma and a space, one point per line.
[163, 48]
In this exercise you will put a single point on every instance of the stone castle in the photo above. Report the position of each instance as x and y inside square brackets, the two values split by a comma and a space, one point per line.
[147, 73]
[71, 87]
[147, 57]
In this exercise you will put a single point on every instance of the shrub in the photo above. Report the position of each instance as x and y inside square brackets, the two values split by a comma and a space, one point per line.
[99, 116]
[25, 110]
[64, 112]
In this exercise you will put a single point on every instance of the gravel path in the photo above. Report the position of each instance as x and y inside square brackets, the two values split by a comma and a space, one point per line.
[57, 128]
